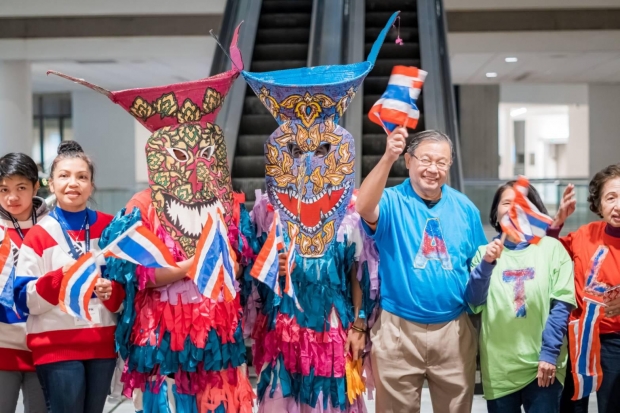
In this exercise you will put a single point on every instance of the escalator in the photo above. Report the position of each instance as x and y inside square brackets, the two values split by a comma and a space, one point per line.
[280, 34]
[281, 42]
[392, 54]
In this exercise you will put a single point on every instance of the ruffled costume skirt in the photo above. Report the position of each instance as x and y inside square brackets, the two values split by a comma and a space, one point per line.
[183, 351]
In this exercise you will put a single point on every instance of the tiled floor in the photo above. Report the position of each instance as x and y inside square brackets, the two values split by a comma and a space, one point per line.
[479, 405]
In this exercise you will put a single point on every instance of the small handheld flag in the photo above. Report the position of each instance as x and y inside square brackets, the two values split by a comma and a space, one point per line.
[7, 272]
[524, 221]
[140, 246]
[215, 265]
[266, 265]
[289, 289]
[397, 106]
[78, 285]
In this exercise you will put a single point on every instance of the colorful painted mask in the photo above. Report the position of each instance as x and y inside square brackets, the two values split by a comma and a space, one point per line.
[309, 158]
[186, 154]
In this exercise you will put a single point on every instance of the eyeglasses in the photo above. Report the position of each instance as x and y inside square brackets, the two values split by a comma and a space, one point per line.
[441, 165]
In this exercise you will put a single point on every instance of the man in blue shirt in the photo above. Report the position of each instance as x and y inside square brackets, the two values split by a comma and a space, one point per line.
[426, 234]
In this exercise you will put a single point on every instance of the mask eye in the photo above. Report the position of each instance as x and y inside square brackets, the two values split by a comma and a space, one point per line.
[295, 150]
[322, 150]
[207, 153]
[178, 154]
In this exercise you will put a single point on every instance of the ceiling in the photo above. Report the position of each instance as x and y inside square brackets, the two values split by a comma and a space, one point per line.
[544, 57]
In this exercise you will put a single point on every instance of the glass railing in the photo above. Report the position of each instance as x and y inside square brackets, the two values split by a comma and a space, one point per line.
[481, 193]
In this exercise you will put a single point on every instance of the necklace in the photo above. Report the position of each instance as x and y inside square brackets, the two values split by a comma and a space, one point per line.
[74, 240]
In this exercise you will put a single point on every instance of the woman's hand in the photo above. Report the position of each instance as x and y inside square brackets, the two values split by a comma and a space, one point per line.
[356, 342]
[103, 289]
[494, 251]
[567, 206]
[546, 374]
[612, 308]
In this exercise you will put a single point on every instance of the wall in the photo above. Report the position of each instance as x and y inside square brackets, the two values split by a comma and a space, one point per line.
[32, 8]
[106, 132]
[479, 131]
[604, 102]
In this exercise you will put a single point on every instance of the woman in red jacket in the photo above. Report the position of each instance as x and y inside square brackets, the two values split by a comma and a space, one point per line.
[595, 250]
[74, 359]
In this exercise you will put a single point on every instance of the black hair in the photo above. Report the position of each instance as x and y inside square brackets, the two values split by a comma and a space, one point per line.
[532, 195]
[71, 150]
[597, 183]
[428, 135]
[19, 164]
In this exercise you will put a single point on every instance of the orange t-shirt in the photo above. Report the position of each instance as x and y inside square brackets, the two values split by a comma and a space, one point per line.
[582, 246]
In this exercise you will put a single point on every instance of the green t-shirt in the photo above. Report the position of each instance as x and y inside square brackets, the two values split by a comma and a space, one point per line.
[523, 284]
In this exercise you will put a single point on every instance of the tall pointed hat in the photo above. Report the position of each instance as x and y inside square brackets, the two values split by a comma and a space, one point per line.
[310, 158]
[187, 163]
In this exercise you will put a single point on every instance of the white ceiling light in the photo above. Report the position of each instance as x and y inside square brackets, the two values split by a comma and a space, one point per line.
[511, 60]
[491, 74]
[517, 112]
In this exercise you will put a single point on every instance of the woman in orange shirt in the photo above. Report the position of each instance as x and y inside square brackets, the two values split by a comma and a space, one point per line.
[595, 250]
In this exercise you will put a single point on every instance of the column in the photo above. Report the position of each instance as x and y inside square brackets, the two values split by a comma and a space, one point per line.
[107, 134]
[604, 101]
[479, 131]
[15, 107]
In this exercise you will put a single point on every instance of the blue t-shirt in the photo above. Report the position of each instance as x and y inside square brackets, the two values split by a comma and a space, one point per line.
[424, 253]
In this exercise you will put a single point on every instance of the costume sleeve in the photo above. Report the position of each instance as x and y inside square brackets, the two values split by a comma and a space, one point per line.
[40, 294]
[124, 280]
[555, 329]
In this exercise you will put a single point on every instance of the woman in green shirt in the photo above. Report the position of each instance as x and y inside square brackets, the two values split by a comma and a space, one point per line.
[525, 293]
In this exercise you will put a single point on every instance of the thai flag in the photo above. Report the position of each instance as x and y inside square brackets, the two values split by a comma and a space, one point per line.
[140, 246]
[215, 264]
[397, 106]
[7, 272]
[524, 221]
[266, 265]
[583, 334]
[585, 348]
[289, 289]
[78, 285]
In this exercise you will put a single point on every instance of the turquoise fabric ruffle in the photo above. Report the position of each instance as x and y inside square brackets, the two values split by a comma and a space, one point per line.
[304, 389]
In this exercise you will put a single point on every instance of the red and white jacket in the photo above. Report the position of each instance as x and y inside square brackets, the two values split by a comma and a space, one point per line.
[14, 353]
[53, 335]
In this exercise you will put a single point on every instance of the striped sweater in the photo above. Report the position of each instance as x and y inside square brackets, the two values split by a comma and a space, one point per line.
[14, 354]
[53, 335]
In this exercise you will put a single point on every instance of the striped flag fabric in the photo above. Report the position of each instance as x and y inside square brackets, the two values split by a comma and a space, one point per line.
[585, 348]
[289, 289]
[7, 272]
[524, 221]
[78, 285]
[397, 106]
[215, 264]
[583, 334]
[266, 265]
[140, 246]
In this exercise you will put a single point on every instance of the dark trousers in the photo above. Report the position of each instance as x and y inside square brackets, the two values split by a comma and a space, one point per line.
[608, 395]
[77, 386]
[533, 398]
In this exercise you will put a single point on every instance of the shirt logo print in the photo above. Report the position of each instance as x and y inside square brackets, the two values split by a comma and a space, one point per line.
[519, 277]
[433, 246]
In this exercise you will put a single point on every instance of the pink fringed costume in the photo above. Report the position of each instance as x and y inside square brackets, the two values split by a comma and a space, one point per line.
[182, 349]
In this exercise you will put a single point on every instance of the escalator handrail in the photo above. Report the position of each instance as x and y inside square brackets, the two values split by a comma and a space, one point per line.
[439, 101]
